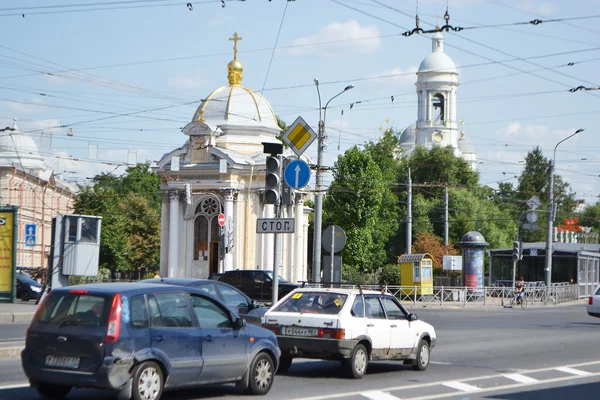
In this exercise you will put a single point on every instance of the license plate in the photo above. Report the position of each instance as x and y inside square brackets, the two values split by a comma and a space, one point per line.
[62, 362]
[294, 331]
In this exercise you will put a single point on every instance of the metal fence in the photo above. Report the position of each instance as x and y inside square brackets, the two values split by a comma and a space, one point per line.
[465, 296]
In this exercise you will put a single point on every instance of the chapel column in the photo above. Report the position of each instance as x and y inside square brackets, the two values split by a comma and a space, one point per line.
[299, 267]
[228, 242]
[268, 241]
[164, 233]
[174, 196]
[259, 237]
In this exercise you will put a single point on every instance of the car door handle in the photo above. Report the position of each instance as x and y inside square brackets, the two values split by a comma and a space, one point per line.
[370, 325]
[158, 339]
[393, 326]
[208, 338]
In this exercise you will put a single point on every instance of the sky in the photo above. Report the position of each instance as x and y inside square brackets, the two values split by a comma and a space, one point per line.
[126, 75]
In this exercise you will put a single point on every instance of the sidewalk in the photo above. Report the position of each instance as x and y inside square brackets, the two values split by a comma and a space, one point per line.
[19, 312]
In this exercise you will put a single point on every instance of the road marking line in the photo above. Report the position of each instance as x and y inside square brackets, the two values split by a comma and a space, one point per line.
[16, 386]
[463, 387]
[573, 371]
[440, 363]
[379, 395]
[521, 378]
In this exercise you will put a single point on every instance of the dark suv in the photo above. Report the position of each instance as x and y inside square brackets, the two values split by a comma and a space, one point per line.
[138, 339]
[257, 284]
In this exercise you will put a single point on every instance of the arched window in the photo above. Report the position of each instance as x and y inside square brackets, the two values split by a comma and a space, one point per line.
[206, 231]
[438, 108]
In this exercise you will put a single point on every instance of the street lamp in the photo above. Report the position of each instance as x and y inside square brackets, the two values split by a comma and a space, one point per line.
[550, 211]
[318, 183]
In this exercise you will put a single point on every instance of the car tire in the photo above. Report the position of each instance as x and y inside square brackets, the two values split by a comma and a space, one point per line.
[423, 354]
[284, 364]
[358, 362]
[50, 391]
[147, 382]
[262, 372]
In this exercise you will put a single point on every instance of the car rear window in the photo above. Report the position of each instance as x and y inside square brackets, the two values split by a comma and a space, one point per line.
[597, 292]
[70, 309]
[313, 303]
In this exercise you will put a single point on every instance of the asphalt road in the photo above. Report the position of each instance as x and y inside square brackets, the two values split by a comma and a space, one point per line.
[488, 353]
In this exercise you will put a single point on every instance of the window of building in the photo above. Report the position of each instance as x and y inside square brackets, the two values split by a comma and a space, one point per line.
[439, 108]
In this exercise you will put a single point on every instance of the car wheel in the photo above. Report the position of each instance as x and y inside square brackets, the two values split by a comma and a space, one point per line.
[284, 364]
[422, 361]
[262, 371]
[147, 381]
[358, 362]
[50, 391]
[26, 297]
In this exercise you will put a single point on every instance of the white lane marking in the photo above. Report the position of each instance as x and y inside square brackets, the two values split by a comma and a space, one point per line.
[418, 386]
[463, 387]
[521, 378]
[440, 363]
[379, 395]
[16, 386]
[573, 371]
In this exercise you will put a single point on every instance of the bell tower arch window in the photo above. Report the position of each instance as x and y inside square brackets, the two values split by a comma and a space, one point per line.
[439, 107]
[207, 237]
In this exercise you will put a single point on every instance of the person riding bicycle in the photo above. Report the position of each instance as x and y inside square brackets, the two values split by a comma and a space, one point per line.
[519, 289]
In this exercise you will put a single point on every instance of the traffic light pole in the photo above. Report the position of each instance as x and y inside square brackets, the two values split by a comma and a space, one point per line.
[277, 239]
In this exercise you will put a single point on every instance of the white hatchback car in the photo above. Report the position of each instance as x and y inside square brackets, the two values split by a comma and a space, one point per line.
[593, 307]
[351, 325]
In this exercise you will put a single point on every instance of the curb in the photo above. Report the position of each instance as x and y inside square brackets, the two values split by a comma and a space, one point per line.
[6, 318]
[11, 352]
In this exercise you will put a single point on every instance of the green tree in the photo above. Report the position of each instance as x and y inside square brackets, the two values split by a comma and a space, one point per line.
[130, 209]
[591, 217]
[362, 204]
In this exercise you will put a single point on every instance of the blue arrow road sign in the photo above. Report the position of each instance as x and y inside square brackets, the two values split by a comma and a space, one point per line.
[30, 234]
[297, 174]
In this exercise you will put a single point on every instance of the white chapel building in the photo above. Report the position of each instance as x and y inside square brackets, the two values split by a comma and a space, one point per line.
[436, 125]
[221, 169]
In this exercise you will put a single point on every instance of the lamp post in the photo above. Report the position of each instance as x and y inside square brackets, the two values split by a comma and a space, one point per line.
[550, 211]
[319, 182]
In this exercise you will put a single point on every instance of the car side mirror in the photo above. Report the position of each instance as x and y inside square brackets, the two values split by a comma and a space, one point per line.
[412, 317]
[239, 323]
[253, 305]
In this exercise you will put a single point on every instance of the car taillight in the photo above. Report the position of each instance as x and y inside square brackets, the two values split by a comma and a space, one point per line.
[276, 329]
[114, 320]
[327, 333]
[591, 301]
[78, 291]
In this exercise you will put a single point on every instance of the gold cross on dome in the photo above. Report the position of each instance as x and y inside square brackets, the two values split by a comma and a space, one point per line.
[235, 39]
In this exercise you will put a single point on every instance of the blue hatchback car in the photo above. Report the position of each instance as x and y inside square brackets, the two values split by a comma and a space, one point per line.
[140, 339]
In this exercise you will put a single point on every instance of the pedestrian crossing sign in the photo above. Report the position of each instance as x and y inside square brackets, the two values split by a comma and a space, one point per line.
[29, 240]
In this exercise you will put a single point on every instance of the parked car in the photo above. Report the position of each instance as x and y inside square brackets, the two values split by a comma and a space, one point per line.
[28, 288]
[247, 308]
[349, 325]
[257, 284]
[139, 339]
[593, 307]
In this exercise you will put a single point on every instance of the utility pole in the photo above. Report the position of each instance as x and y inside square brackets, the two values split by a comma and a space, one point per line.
[549, 223]
[446, 217]
[409, 216]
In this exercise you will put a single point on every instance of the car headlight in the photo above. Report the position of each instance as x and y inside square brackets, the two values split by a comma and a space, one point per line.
[36, 288]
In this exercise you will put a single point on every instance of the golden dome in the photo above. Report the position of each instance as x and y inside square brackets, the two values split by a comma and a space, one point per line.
[234, 72]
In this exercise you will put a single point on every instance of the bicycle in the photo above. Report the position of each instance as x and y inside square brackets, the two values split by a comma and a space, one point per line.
[519, 300]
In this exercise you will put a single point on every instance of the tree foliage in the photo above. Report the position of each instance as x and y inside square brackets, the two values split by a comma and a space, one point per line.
[428, 243]
[591, 217]
[130, 209]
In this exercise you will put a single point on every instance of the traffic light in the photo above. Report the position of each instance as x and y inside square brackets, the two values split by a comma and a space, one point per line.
[516, 255]
[273, 180]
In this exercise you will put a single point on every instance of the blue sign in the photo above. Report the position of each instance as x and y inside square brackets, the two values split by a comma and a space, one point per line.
[297, 174]
[30, 234]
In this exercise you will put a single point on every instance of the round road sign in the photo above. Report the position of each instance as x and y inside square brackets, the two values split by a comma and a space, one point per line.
[339, 239]
[221, 219]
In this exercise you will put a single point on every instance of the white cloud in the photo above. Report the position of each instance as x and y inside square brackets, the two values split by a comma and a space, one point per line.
[350, 39]
[395, 76]
[544, 8]
[532, 134]
[17, 108]
[196, 81]
[220, 19]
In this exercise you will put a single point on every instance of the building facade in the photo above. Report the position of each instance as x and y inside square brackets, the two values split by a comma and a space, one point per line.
[437, 125]
[221, 170]
[28, 183]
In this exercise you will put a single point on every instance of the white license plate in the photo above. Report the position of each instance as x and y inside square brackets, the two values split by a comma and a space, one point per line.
[62, 362]
[294, 331]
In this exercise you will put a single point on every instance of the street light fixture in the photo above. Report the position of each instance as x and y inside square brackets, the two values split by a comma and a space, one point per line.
[550, 211]
[319, 182]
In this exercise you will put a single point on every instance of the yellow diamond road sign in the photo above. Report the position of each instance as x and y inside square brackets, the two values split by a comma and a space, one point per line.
[299, 136]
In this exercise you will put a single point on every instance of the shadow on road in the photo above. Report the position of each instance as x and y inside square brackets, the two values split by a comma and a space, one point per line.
[583, 391]
[335, 369]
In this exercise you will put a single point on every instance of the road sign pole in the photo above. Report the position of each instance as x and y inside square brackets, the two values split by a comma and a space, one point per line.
[331, 253]
[277, 245]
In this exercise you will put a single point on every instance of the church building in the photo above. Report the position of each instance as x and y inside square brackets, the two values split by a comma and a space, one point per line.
[212, 190]
[436, 125]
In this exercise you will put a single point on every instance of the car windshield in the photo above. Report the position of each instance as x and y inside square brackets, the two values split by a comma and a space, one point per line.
[69, 309]
[313, 303]
[26, 279]
[279, 276]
